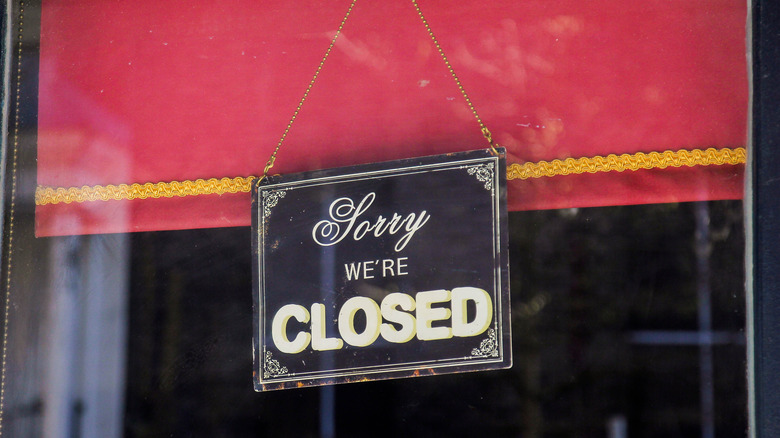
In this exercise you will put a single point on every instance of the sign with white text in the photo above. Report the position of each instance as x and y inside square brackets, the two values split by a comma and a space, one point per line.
[386, 270]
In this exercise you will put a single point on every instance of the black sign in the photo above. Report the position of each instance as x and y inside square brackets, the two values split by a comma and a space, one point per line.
[386, 270]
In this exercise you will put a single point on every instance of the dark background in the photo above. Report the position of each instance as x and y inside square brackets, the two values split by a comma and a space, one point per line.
[763, 201]
[584, 283]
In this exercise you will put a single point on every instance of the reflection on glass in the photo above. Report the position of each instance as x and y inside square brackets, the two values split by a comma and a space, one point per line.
[627, 321]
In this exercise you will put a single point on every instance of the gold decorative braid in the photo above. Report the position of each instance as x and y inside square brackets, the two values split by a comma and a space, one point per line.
[640, 160]
[49, 195]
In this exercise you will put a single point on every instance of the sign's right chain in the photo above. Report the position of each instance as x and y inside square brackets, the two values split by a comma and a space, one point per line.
[485, 130]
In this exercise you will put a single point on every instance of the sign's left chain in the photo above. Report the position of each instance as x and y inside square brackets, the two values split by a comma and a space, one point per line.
[272, 159]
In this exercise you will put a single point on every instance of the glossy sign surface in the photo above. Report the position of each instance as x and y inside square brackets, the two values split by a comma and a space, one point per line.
[388, 270]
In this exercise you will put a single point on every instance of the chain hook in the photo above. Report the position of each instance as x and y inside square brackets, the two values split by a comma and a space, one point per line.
[489, 137]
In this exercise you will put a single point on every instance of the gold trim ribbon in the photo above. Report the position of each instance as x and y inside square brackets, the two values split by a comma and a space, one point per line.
[652, 160]
[639, 160]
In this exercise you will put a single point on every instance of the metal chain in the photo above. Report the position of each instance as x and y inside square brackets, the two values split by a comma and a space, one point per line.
[272, 159]
[484, 128]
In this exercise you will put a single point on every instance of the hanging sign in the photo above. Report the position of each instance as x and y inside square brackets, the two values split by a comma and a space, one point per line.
[386, 270]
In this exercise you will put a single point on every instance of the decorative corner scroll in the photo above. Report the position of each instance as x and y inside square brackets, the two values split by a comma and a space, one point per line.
[488, 347]
[272, 367]
[484, 174]
[270, 199]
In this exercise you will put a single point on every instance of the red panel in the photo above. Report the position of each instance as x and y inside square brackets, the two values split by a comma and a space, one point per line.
[142, 90]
